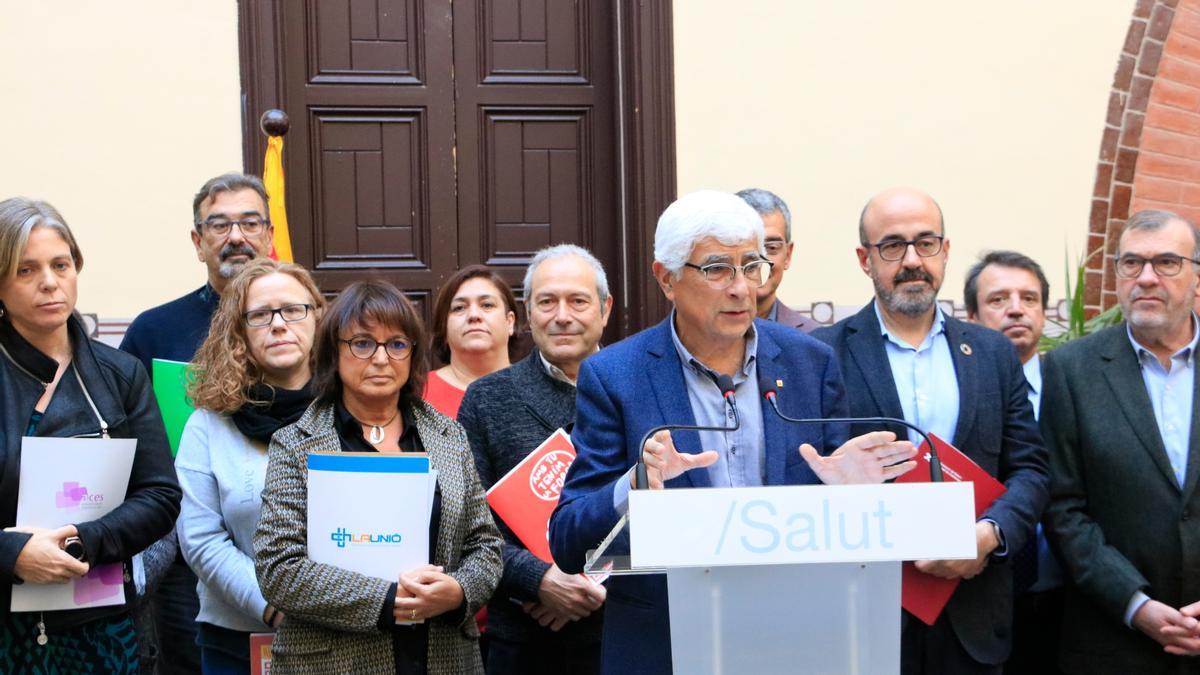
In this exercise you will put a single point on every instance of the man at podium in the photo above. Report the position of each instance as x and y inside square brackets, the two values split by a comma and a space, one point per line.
[708, 261]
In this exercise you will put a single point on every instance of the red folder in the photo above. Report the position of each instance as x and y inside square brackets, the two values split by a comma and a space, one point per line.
[260, 653]
[526, 496]
[924, 595]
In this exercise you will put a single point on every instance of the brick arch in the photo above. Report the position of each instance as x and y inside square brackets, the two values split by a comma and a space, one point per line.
[1150, 152]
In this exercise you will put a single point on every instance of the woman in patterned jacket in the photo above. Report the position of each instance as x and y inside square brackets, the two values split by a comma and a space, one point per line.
[368, 376]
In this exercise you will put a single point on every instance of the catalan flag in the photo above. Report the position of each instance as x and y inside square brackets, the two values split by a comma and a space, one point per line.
[273, 180]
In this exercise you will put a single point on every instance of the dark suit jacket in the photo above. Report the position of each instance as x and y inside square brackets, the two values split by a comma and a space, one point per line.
[1119, 520]
[506, 415]
[790, 317]
[996, 429]
[636, 384]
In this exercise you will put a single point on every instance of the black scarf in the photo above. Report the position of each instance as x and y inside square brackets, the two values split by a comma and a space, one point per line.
[268, 409]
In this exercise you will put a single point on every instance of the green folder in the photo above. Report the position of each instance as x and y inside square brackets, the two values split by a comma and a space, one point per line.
[170, 388]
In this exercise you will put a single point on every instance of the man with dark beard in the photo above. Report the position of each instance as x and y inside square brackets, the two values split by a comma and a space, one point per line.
[902, 357]
[231, 227]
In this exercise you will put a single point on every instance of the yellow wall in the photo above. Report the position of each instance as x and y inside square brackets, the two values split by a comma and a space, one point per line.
[995, 108]
[116, 113]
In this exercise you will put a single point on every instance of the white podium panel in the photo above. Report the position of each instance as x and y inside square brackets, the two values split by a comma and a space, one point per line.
[801, 524]
[841, 619]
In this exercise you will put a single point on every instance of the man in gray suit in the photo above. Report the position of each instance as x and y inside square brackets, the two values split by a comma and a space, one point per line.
[540, 620]
[777, 223]
[1120, 421]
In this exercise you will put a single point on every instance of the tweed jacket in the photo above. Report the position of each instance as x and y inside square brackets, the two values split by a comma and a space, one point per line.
[331, 614]
[506, 415]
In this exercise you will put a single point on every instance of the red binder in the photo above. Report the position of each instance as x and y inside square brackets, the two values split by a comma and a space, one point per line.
[924, 595]
[526, 496]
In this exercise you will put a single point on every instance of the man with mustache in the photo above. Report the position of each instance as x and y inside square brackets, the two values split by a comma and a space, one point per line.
[1008, 292]
[1119, 412]
[231, 226]
[901, 356]
[540, 620]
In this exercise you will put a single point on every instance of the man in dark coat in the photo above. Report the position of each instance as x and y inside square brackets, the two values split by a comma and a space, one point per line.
[540, 620]
[1119, 412]
[902, 357]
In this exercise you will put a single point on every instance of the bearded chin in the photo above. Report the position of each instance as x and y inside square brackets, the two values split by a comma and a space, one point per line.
[229, 269]
[908, 304]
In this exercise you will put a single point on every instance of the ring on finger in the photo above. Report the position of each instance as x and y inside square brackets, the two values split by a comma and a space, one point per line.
[413, 615]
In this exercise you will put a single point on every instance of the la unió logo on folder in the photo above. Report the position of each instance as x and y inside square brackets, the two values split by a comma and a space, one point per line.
[342, 537]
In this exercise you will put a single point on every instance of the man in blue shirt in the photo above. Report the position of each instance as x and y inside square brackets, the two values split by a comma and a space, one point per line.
[231, 226]
[901, 356]
[708, 261]
[1119, 415]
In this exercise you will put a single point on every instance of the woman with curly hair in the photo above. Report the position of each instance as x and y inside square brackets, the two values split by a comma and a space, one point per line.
[251, 377]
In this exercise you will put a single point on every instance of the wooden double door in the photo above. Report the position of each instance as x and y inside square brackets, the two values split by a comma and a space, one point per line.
[427, 135]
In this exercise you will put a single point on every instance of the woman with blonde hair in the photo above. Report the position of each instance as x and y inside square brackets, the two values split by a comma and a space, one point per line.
[57, 382]
[250, 378]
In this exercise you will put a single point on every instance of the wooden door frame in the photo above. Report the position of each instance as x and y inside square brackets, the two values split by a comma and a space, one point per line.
[646, 129]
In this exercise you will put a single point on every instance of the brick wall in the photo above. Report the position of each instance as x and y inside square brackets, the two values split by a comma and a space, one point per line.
[1150, 152]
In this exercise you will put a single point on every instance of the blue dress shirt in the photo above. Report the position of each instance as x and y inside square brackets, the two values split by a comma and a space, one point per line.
[925, 379]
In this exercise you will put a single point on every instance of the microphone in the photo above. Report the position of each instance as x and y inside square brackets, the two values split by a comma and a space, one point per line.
[935, 463]
[725, 383]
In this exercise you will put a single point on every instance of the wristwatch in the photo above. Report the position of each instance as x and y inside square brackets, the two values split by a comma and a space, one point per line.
[74, 548]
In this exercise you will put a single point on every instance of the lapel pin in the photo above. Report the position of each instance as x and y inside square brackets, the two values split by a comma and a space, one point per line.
[779, 383]
[965, 349]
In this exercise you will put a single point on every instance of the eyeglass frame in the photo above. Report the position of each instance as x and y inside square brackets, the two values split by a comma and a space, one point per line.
[1172, 257]
[878, 246]
[349, 345]
[703, 269]
[241, 223]
[279, 310]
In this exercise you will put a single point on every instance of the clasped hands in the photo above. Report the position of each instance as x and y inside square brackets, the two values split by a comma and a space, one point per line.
[426, 592]
[870, 458]
[563, 598]
[42, 560]
[1177, 630]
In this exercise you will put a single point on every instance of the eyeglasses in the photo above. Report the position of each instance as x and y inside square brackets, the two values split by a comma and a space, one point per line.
[365, 348]
[1130, 266]
[250, 226]
[263, 317]
[721, 275]
[894, 249]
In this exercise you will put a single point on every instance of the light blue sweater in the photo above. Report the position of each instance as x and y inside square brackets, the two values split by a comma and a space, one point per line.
[222, 472]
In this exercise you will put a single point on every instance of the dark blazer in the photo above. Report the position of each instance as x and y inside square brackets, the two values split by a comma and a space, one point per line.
[634, 385]
[996, 429]
[506, 415]
[790, 317]
[1117, 517]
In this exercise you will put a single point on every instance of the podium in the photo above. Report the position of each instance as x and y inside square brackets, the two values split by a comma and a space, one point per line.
[788, 579]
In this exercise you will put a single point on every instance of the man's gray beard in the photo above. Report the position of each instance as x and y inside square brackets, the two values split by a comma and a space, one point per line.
[907, 304]
[229, 270]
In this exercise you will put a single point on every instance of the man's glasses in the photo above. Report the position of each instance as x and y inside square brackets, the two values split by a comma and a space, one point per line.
[894, 249]
[250, 226]
[721, 275]
[1130, 266]
[365, 348]
[263, 317]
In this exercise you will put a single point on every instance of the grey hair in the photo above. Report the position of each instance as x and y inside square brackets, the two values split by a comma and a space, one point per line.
[558, 251]
[1150, 220]
[706, 213]
[229, 182]
[766, 203]
[18, 217]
